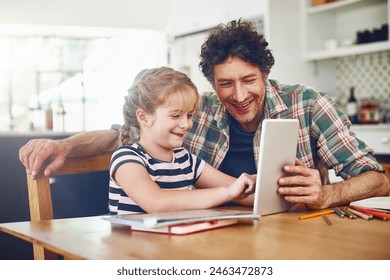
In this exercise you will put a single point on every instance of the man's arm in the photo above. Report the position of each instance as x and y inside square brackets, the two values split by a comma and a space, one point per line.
[368, 184]
[51, 154]
[306, 187]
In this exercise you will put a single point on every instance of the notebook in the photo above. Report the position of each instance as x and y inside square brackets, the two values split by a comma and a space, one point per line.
[379, 202]
[277, 149]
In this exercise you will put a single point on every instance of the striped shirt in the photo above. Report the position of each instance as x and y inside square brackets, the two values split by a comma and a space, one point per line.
[179, 174]
[325, 139]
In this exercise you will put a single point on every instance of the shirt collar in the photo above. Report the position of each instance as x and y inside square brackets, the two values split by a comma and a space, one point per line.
[222, 117]
[274, 104]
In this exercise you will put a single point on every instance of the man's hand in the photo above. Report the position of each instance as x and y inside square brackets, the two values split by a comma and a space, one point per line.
[51, 154]
[42, 153]
[303, 186]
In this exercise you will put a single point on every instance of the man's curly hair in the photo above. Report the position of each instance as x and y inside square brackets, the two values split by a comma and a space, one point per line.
[235, 39]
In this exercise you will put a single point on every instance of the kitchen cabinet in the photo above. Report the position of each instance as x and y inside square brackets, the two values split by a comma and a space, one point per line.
[337, 23]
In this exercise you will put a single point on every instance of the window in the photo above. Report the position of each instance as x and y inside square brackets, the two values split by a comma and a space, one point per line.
[83, 79]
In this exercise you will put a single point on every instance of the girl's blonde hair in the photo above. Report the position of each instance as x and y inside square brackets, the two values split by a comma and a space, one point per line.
[157, 87]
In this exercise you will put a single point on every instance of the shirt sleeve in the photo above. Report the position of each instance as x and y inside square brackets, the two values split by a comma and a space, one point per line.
[197, 167]
[337, 146]
[124, 155]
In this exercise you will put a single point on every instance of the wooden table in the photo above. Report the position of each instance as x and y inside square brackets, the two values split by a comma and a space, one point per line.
[275, 237]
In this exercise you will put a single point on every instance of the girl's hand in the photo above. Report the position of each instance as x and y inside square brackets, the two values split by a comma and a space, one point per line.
[242, 187]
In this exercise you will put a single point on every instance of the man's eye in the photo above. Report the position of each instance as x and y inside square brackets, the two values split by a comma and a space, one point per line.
[250, 81]
[225, 84]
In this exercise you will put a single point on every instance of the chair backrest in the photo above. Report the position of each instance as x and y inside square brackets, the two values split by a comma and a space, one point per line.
[39, 194]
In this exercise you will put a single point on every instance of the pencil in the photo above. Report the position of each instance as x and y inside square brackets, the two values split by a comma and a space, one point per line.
[379, 210]
[338, 212]
[327, 220]
[338, 208]
[376, 214]
[360, 214]
[316, 214]
[349, 214]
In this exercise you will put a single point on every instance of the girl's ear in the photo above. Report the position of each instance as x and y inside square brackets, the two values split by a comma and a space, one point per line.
[143, 118]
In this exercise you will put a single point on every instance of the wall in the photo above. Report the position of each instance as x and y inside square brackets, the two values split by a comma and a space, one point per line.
[191, 21]
[180, 16]
[286, 42]
[369, 74]
[192, 16]
[100, 13]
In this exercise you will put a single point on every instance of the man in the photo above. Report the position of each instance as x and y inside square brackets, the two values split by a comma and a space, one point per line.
[226, 131]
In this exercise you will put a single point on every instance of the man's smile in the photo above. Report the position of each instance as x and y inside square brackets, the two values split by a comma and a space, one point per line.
[242, 105]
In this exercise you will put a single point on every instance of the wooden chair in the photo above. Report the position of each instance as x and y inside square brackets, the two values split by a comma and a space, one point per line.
[39, 194]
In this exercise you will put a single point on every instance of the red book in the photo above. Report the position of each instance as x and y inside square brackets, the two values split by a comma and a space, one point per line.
[187, 228]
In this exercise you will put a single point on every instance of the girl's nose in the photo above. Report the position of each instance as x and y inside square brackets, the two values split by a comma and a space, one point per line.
[185, 123]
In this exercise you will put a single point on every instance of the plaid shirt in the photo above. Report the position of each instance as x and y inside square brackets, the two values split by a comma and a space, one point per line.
[325, 139]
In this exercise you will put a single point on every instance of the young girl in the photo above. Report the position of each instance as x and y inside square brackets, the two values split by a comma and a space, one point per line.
[156, 174]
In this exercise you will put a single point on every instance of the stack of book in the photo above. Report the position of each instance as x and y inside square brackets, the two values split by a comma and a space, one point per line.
[182, 222]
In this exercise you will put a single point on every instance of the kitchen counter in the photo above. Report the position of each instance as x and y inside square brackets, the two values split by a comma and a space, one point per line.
[36, 134]
[371, 127]
[377, 136]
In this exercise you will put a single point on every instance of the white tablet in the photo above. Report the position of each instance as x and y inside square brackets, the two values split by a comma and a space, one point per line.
[278, 148]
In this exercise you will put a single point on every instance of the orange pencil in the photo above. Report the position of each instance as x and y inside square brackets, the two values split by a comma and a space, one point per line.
[316, 214]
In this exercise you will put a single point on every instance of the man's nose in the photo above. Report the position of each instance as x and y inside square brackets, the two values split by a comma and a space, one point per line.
[239, 93]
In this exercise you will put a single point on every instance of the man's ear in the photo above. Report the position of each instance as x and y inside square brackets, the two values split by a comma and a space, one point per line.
[266, 74]
[142, 118]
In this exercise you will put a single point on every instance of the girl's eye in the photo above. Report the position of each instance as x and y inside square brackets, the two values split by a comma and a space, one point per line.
[189, 116]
